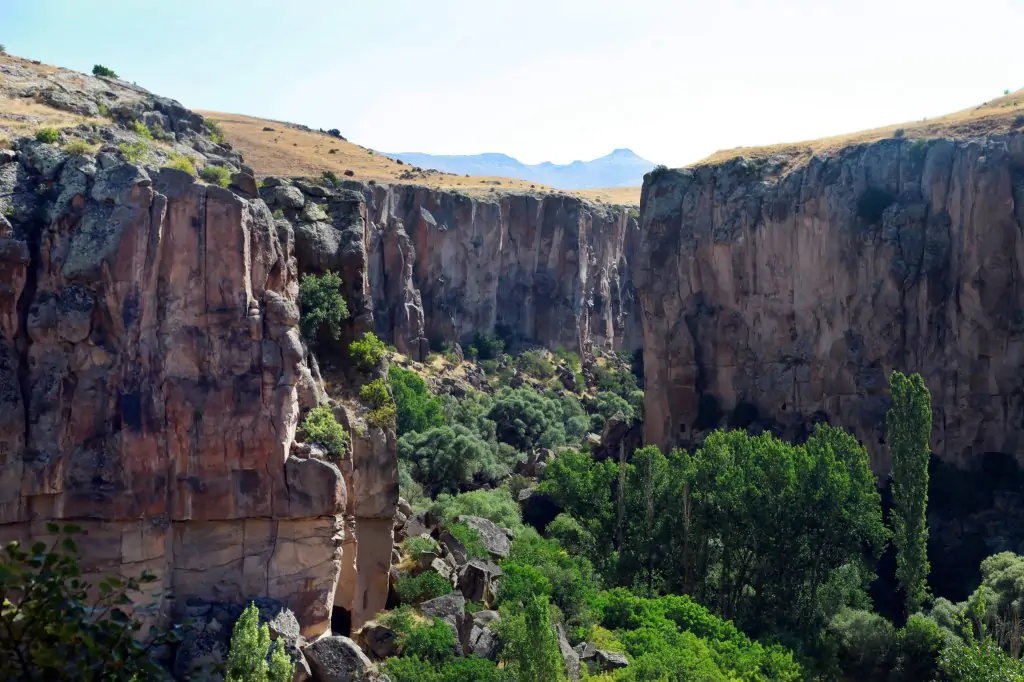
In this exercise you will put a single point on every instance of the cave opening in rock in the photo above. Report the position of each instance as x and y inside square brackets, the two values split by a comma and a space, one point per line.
[341, 622]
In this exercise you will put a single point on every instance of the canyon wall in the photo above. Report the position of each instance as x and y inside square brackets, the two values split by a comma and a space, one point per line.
[151, 374]
[431, 266]
[777, 297]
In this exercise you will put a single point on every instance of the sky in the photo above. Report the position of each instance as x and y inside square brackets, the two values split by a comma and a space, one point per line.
[546, 80]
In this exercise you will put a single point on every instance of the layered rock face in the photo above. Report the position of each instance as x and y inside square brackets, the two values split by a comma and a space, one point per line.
[151, 373]
[432, 266]
[780, 298]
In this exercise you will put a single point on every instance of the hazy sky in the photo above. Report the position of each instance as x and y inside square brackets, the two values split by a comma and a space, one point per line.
[557, 80]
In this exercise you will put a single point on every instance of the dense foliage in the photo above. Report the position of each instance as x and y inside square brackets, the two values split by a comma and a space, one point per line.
[368, 353]
[418, 410]
[322, 306]
[377, 397]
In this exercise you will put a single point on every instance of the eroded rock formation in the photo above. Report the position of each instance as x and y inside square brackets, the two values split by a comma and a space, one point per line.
[432, 266]
[783, 297]
[150, 374]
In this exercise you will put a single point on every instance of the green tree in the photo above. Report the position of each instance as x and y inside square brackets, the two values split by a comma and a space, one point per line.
[526, 419]
[647, 516]
[368, 352]
[100, 70]
[908, 426]
[448, 458]
[55, 626]
[322, 305]
[418, 410]
[530, 645]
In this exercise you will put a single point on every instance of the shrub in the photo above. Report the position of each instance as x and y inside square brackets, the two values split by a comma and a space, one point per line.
[978, 661]
[368, 353]
[322, 428]
[331, 178]
[494, 505]
[413, 589]
[78, 148]
[527, 420]
[322, 305]
[488, 346]
[216, 134]
[418, 410]
[470, 539]
[250, 645]
[216, 175]
[103, 72]
[867, 643]
[382, 407]
[448, 458]
[47, 135]
[535, 363]
[54, 625]
[134, 152]
[182, 163]
[140, 129]
[919, 645]
[104, 110]
[430, 642]
[417, 545]
[460, 669]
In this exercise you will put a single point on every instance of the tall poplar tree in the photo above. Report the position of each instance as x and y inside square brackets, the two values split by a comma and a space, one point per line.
[908, 431]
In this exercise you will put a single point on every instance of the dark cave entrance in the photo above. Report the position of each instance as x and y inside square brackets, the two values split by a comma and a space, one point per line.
[341, 622]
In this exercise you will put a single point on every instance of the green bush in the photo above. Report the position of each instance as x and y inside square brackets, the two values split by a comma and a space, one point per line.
[536, 363]
[448, 458]
[526, 419]
[529, 645]
[140, 129]
[216, 175]
[461, 669]
[102, 71]
[979, 661]
[470, 539]
[216, 134]
[494, 505]
[331, 179]
[417, 545]
[867, 643]
[55, 626]
[378, 398]
[47, 135]
[919, 645]
[250, 645]
[368, 353]
[430, 642]
[322, 428]
[78, 148]
[182, 163]
[418, 410]
[134, 152]
[488, 346]
[322, 305]
[414, 589]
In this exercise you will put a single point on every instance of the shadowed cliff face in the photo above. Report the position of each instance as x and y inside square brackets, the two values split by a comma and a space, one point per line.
[431, 266]
[151, 373]
[777, 300]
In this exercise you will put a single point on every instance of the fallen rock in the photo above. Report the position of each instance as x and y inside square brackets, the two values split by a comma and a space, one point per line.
[569, 656]
[451, 608]
[379, 640]
[491, 534]
[611, 660]
[338, 659]
[478, 580]
[453, 548]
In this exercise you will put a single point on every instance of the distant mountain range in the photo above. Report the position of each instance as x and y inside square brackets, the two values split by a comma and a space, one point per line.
[621, 168]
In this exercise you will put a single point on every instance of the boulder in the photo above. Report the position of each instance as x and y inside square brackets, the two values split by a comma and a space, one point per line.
[244, 183]
[610, 660]
[481, 639]
[569, 656]
[338, 659]
[451, 608]
[453, 548]
[478, 580]
[491, 534]
[379, 640]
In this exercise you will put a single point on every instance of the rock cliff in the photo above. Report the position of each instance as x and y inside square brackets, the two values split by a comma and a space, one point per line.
[430, 266]
[778, 297]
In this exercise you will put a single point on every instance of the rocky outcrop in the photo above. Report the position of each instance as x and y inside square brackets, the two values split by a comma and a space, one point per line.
[150, 372]
[775, 298]
[425, 266]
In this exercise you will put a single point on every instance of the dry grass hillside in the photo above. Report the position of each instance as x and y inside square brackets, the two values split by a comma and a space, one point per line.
[277, 148]
[1001, 115]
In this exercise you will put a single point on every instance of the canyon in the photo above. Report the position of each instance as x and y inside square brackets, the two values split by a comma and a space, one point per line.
[152, 375]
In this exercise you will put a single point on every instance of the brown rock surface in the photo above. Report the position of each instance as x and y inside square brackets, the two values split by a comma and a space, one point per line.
[781, 298]
[150, 366]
